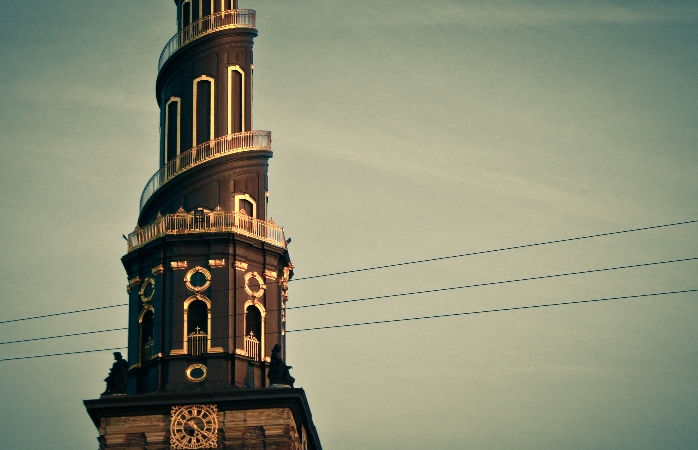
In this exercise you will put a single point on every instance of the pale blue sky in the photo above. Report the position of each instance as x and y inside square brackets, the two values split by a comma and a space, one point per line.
[402, 130]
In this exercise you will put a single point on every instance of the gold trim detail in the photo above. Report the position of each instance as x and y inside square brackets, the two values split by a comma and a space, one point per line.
[267, 359]
[195, 270]
[178, 265]
[193, 367]
[167, 125]
[178, 351]
[212, 121]
[253, 202]
[260, 280]
[239, 265]
[216, 350]
[241, 352]
[270, 274]
[216, 263]
[238, 69]
[135, 366]
[146, 283]
[157, 270]
[204, 421]
[134, 281]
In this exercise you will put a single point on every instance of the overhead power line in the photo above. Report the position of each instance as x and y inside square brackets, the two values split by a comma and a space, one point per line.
[428, 291]
[63, 336]
[64, 354]
[484, 311]
[516, 247]
[64, 313]
[408, 319]
[503, 249]
[491, 283]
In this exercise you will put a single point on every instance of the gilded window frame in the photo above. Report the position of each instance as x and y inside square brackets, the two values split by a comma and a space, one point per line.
[212, 120]
[167, 126]
[263, 313]
[231, 69]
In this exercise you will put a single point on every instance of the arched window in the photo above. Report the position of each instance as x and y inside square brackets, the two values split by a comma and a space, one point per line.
[197, 327]
[173, 111]
[236, 99]
[254, 330]
[146, 344]
[203, 128]
[186, 13]
[253, 321]
[244, 202]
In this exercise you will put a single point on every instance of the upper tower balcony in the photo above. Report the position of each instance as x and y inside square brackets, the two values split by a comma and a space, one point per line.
[223, 20]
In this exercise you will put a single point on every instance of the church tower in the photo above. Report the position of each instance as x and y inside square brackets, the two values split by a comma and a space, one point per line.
[207, 267]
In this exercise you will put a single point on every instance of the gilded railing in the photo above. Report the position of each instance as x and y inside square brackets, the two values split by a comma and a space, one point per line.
[252, 346]
[236, 18]
[225, 145]
[197, 342]
[216, 221]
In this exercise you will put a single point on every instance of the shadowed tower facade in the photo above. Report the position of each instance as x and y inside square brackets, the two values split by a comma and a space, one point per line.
[207, 267]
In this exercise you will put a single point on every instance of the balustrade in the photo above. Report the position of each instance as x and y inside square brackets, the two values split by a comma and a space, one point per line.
[252, 346]
[225, 145]
[216, 221]
[236, 18]
[197, 342]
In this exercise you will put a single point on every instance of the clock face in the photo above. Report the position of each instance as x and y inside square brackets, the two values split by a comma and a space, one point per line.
[194, 426]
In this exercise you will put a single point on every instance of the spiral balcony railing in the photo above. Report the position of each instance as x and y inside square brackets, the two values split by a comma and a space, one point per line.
[236, 18]
[222, 146]
[216, 221]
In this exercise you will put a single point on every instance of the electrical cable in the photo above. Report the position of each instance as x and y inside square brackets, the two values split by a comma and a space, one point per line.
[64, 354]
[401, 264]
[503, 249]
[428, 291]
[63, 336]
[63, 313]
[408, 319]
[492, 283]
[484, 311]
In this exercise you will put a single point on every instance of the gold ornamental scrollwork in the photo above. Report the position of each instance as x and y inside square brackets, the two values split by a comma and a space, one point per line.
[194, 427]
[148, 282]
[191, 273]
[258, 293]
[178, 265]
[216, 263]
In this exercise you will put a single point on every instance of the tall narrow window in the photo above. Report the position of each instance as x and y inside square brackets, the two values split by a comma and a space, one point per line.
[203, 109]
[146, 336]
[253, 332]
[173, 111]
[236, 99]
[186, 13]
[197, 327]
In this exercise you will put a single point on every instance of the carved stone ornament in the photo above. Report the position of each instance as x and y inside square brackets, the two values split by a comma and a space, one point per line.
[270, 274]
[254, 293]
[157, 270]
[194, 426]
[239, 265]
[216, 263]
[191, 273]
[149, 282]
[178, 265]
